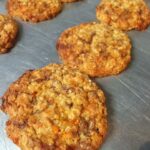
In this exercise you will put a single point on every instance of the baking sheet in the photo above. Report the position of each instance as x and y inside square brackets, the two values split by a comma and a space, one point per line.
[128, 94]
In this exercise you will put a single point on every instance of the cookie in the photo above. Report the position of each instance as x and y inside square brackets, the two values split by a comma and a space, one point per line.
[69, 1]
[34, 10]
[95, 49]
[8, 33]
[124, 14]
[55, 108]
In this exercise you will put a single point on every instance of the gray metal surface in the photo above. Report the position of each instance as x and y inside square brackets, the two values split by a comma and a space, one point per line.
[128, 95]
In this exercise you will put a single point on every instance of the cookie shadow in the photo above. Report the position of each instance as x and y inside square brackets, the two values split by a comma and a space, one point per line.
[20, 32]
[76, 4]
[110, 110]
[133, 51]
[145, 146]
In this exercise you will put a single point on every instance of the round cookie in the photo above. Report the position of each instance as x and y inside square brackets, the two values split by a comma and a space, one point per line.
[55, 108]
[8, 33]
[124, 14]
[69, 1]
[34, 10]
[95, 49]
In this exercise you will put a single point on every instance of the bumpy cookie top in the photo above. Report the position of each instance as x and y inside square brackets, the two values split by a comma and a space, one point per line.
[8, 32]
[34, 10]
[124, 14]
[95, 49]
[56, 108]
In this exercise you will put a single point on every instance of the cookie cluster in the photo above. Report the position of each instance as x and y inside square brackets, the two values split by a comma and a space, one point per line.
[27, 10]
[58, 107]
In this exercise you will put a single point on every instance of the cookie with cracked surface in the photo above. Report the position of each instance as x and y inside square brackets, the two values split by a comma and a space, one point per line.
[124, 14]
[34, 10]
[95, 49]
[55, 108]
[8, 33]
[69, 1]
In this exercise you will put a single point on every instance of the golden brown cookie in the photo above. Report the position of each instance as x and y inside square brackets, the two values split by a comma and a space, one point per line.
[124, 14]
[69, 1]
[34, 10]
[8, 33]
[95, 49]
[55, 108]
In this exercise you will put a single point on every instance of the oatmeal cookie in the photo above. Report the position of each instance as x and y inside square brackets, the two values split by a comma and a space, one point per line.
[55, 108]
[34, 10]
[8, 33]
[124, 14]
[95, 49]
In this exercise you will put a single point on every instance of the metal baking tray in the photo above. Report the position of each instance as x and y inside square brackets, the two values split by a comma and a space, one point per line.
[128, 94]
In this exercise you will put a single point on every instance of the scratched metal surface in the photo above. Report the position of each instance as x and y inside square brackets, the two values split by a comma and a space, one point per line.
[128, 95]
